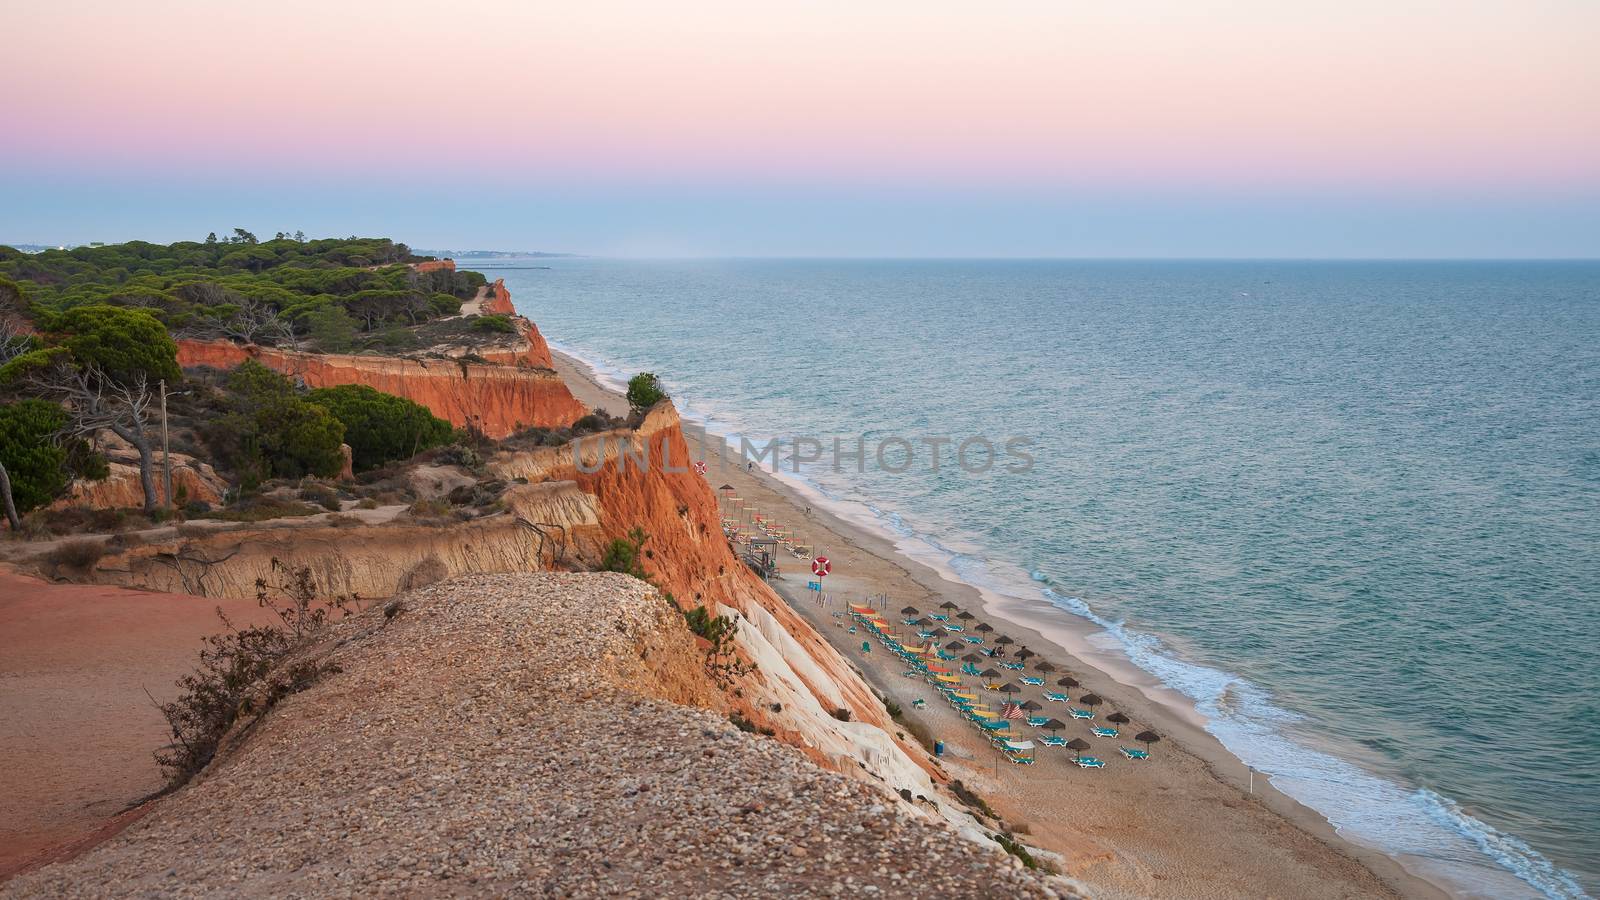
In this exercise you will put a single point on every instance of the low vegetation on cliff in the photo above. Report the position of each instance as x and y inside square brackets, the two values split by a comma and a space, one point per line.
[333, 294]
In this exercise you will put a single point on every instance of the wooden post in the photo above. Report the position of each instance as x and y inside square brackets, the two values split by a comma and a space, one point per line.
[166, 457]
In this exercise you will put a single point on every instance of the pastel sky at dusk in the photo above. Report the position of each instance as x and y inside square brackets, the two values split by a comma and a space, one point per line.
[1067, 128]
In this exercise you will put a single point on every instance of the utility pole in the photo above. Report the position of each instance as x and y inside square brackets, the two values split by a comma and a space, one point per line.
[166, 457]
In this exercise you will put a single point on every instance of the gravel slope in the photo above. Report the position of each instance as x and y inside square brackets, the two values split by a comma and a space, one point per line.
[511, 734]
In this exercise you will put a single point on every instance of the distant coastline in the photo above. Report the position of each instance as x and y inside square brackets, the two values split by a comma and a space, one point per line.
[497, 254]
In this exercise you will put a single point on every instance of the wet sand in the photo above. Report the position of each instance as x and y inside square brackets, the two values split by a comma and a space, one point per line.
[1181, 824]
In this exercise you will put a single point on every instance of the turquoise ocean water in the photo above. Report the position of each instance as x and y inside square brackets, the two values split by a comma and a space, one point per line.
[1351, 510]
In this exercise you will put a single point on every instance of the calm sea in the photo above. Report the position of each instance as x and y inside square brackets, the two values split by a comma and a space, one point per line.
[1351, 509]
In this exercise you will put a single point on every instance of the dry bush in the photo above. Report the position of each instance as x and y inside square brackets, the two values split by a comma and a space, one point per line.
[76, 557]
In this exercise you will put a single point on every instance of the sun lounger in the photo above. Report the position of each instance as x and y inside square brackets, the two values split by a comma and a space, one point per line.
[1131, 753]
[1054, 697]
[1053, 741]
[973, 640]
[1090, 762]
[1017, 666]
[1028, 679]
[1104, 732]
[1037, 721]
[1082, 714]
[1020, 760]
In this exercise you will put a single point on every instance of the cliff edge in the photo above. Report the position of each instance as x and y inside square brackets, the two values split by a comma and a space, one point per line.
[506, 734]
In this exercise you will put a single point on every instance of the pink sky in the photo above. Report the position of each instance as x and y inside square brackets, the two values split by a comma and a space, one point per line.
[1163, 93]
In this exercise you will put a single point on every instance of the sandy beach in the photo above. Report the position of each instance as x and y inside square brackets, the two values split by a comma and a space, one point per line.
[1182, 824]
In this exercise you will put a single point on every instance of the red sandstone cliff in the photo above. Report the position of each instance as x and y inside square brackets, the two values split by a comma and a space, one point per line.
[497, 399]
[435, 265]
[499, 300]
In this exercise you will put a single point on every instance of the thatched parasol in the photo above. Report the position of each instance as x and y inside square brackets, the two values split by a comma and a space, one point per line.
[1147, 738]
[989, 673]
[954, 645]
[984, 627]
[939, 632]
[1079, 745]
[965, 616]
[972, 658]
[1002, 639]
[1045, 667]
[924, 622]
[1118, 718]
[1009, 688]
[909, 611]
[1054, 725]
[1091, 700]
[948, 605]
[1032, 705]
[1024, 653]
[1067, 681]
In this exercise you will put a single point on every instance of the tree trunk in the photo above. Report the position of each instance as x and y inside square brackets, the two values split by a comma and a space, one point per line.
[5, 494]
[147, 479]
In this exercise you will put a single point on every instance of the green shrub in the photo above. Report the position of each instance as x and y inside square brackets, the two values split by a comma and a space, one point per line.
[644, 391]
[269, 431]
[36, 465]
[623, 555]
[381, 427]
[494, 323]
[331, 329]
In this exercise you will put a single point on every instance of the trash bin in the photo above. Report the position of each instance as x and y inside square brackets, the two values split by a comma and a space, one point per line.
[938, 748]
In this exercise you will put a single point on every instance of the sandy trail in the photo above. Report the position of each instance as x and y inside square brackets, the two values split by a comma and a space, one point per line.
[75, 663]
[1179, 825]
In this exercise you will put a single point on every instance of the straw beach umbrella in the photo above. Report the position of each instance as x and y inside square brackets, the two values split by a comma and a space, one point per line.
[954, 645]
[948, 605]
[1091, 700]
[989, 673]
[1024, 653]
[1045, 667]
[984, 627]
[972, 658]
[1002, 639]
[924, 622]
[1067, 681]
[1054, 725]
[1147, 738]
[1009, 688]
[965, 616]
[1032, 706]
[1118, 718]
[1078, 745]
[908, 611]
[939, 632]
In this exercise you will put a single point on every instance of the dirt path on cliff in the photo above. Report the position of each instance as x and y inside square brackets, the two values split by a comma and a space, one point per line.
[79, 729]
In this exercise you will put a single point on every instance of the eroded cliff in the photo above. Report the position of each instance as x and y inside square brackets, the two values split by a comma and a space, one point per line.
[499, 400]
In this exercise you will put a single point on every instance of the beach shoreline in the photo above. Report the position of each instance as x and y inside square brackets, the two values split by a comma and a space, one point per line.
[1201, 819]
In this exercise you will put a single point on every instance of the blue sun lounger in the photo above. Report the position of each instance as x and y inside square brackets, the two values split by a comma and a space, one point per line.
[973, 640]
[1055, 697]
[1081, 713]
[1090, 762]
[1053, 741]
[1028, 679]
[1037, 721]
[1104, 732]
[1131, 753]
